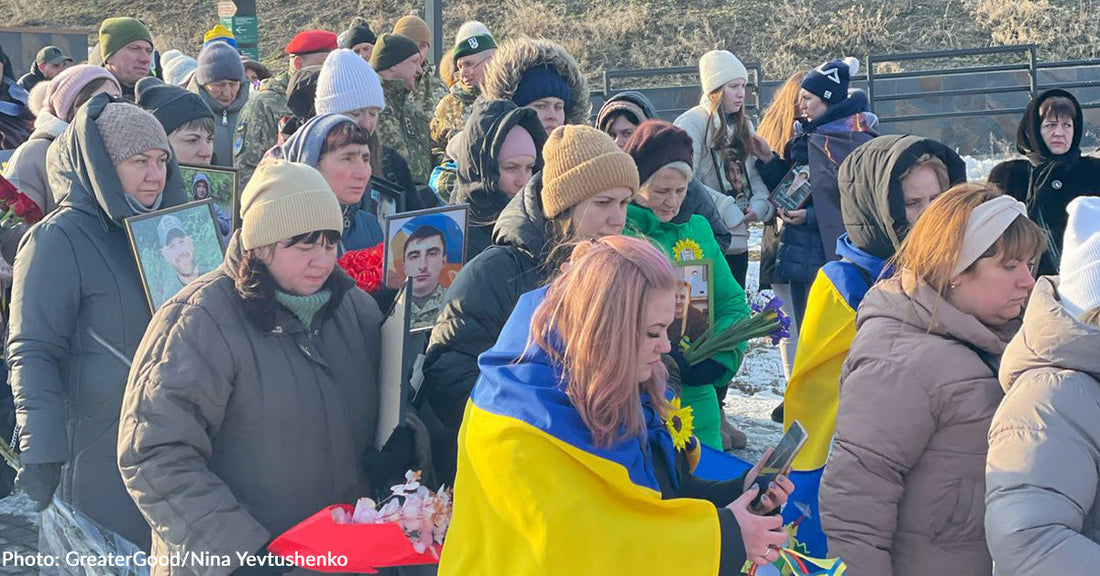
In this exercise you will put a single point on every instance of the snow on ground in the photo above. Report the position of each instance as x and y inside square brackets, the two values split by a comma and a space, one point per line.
[19, 505]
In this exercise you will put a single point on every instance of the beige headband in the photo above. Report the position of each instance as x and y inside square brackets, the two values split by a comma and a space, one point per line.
[986, 224]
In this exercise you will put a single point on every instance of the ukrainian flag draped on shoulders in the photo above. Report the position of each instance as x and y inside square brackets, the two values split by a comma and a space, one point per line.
[534, 495]
[813, 391]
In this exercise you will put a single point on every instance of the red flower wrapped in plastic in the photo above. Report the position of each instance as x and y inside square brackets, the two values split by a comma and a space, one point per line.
[364, 266]
[16, 207]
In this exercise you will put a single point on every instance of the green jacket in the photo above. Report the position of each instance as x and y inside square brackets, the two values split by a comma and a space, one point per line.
[730, 304]
[403, 126]
[258, 125]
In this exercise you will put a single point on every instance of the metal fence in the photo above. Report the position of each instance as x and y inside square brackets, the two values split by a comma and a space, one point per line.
[974, 108]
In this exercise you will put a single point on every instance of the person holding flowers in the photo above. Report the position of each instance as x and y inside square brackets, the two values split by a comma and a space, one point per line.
[253, 398]
[663, 155]
[572, 461]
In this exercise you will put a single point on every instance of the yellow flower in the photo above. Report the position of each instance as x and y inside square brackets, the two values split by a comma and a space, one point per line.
[679, 423]
[686, 249]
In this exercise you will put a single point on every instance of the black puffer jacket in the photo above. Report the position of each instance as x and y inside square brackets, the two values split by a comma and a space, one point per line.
[479, 164]
[1047, 182]
[480, 301]
[871, 199]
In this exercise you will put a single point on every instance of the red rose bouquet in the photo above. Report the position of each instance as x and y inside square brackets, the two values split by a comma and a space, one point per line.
[16, 207]
[364, 266]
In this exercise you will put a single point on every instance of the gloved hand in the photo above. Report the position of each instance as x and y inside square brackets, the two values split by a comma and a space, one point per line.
[387, 467]
[699, 374]
[268, 567]
[39, 482]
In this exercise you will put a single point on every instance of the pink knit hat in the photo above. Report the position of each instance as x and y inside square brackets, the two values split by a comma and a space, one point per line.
[63, 89]
[517, 142]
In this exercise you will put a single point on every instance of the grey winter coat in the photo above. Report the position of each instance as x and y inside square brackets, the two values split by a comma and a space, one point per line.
[1042, 486]
[239, 422]
[225, 122]
[902, 492]
[77, 317]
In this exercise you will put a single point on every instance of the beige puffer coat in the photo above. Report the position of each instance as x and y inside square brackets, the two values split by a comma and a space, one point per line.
[1042, 485]
[902, 493]
[237, 425]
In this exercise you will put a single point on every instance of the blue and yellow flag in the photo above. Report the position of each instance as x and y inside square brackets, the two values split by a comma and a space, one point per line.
[813, 391]
[533, 494]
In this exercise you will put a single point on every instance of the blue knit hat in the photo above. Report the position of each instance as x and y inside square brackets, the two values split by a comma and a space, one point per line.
[830, 80]
[219, 61]
[541, 82]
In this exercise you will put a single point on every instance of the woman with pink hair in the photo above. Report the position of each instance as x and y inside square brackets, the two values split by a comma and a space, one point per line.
[572, 460]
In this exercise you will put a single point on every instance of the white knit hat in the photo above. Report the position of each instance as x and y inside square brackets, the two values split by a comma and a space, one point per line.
[1080, 265]
[469, 30]
[718, 67]
[346, 83]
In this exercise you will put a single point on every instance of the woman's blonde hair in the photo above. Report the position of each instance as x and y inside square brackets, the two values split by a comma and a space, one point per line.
[931, 249]
[592, 323]
[777, 125]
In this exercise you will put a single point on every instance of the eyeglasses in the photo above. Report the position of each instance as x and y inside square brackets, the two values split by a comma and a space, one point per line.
[464, 64]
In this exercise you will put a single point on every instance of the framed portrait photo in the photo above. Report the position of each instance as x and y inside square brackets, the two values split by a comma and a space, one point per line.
[793, 191]
[174, 246]
[694, 301]
[429, 248]
[215, 182]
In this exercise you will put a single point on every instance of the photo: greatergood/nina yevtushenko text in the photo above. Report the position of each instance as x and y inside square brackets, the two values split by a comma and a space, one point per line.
[204, 559]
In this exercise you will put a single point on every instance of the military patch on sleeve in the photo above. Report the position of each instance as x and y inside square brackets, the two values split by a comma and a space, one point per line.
[238, 141]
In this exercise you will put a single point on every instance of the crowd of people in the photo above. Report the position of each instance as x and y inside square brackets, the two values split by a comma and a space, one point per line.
[941, 352]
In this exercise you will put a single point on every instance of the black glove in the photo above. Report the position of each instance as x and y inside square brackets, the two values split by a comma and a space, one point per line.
[270, 565]
[39, 482]
[387, 467]
[699, 374]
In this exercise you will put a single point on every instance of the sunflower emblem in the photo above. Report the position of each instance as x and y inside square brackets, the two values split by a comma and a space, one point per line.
[686, 249]
[679, 423]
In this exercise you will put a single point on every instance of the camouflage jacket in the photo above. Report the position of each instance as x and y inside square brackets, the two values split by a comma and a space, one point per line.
[424, 314]
[450, 118]
[429, 90]
[403, 126]
[258, 127]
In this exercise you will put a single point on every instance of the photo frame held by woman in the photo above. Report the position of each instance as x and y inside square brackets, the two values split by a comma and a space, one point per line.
[793, 191]
[173, 247]
[694, 301]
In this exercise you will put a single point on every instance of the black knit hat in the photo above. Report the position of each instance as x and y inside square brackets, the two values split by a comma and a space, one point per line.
[173, 106]
[359, 33]
[301, 92]
[391, 50]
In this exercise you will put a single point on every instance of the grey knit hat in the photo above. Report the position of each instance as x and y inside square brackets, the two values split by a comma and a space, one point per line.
[127, 130]
[219, 61]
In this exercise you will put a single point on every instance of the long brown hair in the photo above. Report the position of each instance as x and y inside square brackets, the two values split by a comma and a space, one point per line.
[777, 125]
[733, 134]
[931, 249]
[598, 304]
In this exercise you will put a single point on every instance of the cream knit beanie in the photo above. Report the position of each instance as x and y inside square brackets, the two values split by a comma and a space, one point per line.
[580, 162]
[1080, 266]
[718, 67]
[347, 83]
[285, 199]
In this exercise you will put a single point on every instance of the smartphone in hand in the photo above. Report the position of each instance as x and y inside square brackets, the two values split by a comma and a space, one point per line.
[780, 460]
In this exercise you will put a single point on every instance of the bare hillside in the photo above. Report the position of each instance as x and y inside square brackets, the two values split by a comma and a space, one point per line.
[783, 35]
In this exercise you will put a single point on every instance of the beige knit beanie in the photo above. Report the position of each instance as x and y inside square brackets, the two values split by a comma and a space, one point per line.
[127, 130]
[580, 162]
[285, 199]
[719, 67]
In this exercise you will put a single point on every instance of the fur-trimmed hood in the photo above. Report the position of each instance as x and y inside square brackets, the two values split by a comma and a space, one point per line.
[516, 55]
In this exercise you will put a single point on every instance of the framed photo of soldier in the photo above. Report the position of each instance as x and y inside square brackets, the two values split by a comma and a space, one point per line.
[694, 301]
[173, 247]
[202, 182]
[793, 191]
[429, 248]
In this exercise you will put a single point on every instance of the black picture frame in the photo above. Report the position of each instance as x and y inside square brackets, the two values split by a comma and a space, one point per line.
[197, 220]
[793, 190]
